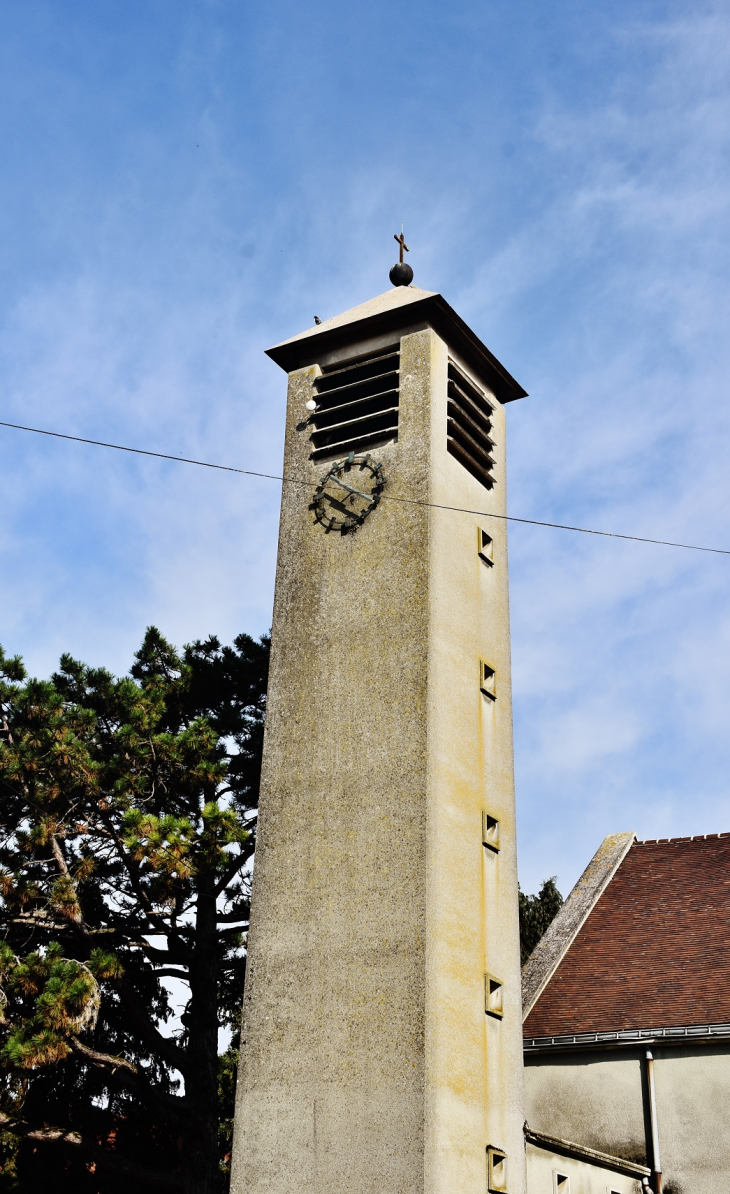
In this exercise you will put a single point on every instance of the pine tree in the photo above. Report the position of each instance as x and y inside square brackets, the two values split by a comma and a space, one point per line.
[536, 915]
[127, 820]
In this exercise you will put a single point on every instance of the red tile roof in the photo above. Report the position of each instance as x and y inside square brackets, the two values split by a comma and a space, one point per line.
[654, 951]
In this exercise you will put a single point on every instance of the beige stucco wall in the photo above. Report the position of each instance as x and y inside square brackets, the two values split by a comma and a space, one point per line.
[693, 1112]
[598, 1099]
[474, 1062]
[367, 1062]
[593, 1099]
[583, 1177]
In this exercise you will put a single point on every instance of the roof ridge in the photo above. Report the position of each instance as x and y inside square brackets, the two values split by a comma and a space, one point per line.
[560, 935]
[695, 837]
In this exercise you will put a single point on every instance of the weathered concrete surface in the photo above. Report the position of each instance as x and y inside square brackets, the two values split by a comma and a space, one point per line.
[548, 953]
[473, 1061]
[593, 1098]
[367, 1061]
[599, 1099]
[400, 297]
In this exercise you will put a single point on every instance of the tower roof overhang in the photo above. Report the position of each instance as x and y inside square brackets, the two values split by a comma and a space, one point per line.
[404, 307]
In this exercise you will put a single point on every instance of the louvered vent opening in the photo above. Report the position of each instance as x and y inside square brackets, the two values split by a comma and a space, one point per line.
[469, 426]
[357, 405]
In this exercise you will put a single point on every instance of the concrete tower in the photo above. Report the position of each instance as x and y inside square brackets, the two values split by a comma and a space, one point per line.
[381, 1045]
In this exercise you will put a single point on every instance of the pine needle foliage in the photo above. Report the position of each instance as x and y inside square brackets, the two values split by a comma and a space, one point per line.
[537, 912]
[127, 825]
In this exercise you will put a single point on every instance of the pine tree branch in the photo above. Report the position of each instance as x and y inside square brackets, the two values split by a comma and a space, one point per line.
[75, 919]
[102, 1059]
[109, 1160]
[58, 855]
[19, 1127]
[233, 931]
[230, 874]
[38, 920]
[156, 955]
[126, 1074]
[122, 929]
[156, 921]
[164, 1046]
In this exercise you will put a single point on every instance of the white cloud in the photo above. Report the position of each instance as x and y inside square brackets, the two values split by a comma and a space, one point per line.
[575, 212]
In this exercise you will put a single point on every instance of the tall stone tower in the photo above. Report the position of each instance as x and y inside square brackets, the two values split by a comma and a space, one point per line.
[381, 1044]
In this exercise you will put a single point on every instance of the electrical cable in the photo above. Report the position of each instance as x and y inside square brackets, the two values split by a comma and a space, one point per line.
[246, 472]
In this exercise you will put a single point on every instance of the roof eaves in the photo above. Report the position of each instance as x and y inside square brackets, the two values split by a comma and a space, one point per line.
[431, 310]
[623, 1038]
[670, 841]
[579, 1152]
[553, 946]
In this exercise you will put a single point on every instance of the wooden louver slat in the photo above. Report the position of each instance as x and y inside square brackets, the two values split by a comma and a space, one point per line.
[468, 426]
[357, 405]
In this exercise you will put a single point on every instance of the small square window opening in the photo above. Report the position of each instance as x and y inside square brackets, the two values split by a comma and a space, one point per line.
[485, 546]
[496, 1170]
[493, 996]
[490, 831]
[487, 680]
[561, 1183]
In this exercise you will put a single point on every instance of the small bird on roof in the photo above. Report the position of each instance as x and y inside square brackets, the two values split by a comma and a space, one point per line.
[317, 320]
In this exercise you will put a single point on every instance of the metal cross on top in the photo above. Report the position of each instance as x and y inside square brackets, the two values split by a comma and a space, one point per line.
[402, 242]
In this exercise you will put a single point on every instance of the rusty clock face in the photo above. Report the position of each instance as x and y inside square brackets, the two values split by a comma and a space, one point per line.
[348, 493]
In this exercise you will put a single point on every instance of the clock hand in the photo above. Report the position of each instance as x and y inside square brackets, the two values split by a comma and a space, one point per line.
[350, 489]
[336, 504]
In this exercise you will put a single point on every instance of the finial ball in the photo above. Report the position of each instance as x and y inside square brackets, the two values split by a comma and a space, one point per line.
[401, 274]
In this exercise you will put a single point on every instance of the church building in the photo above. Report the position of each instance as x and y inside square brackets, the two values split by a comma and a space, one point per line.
[626, 1002]
[382, 1043]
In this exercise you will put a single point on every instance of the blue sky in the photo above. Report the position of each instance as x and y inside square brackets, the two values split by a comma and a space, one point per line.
[185, 183]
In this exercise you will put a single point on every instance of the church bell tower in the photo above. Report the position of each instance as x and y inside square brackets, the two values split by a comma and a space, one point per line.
[381, 1050]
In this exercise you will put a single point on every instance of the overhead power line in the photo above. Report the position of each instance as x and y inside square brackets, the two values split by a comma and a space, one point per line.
[247, 472]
